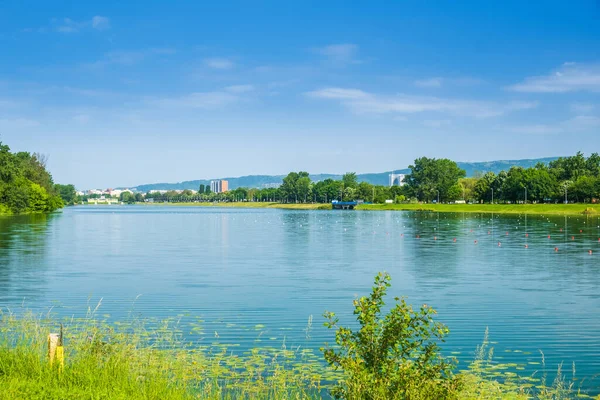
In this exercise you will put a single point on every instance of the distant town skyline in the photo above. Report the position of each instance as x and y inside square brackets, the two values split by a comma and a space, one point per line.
[118, 95]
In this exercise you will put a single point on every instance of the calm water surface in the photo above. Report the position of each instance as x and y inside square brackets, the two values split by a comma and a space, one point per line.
[239, 268]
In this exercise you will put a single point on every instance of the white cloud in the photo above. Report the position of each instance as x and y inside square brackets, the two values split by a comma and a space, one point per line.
[339, 93]
[67, 25]
[582, 108]
[218, 63]
[429, 83]
[437, 123]
[437, 82]
[100, 23]
[240, 88]
[339, 53]
[129, 58]
[201, 100]
[570, 77]
[577, 124]
[363, 102]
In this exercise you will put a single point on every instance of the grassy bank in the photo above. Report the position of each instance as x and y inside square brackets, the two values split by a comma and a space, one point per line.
[249, 204]
[545, 209]
[130, 360]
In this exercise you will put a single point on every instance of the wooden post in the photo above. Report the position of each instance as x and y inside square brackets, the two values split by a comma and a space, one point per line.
[53, 339]
[56, 349]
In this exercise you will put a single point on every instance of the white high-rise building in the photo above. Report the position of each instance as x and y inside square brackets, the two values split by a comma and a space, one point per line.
[397, 179]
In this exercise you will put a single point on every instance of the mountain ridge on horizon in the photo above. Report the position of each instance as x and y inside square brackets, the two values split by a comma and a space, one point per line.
[376, 178]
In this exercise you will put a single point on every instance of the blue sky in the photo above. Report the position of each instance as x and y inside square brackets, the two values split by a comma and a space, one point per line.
[123, 94]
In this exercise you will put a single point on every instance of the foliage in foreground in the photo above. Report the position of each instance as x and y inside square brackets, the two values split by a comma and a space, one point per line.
[391, 357]
[396, 356]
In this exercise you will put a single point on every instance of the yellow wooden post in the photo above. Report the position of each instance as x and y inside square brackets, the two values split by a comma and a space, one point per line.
[53, 339]
[56, 350]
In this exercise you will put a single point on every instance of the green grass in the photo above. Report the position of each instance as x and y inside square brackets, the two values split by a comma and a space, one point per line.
[134, 359]
[249, 204]
[545, 209]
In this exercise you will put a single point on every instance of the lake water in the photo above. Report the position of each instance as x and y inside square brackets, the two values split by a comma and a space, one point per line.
[240, 269]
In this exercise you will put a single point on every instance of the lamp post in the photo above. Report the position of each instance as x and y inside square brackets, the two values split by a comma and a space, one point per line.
[566, 185]
[525, 195]
[492, 195]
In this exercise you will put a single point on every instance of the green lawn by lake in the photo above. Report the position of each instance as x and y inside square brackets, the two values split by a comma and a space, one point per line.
[549, 209]
[554, 209]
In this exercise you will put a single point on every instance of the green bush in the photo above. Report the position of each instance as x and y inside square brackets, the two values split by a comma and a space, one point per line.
[395, 356]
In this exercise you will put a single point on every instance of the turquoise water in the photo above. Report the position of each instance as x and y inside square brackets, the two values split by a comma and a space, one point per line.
[240, 269]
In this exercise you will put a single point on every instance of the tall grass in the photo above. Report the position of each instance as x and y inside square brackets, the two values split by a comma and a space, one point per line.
[134, 359]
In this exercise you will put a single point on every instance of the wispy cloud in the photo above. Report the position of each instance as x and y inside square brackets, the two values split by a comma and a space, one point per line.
[339, 53]
[429, 83]
[364, 102]
[219, 63]
[437, 123]
[200, 100]
[129, 58]
[100, 23]
[437, 82]
[570, 77]
[67, 25]
[577, 124]
[240, 88]
[582, 108]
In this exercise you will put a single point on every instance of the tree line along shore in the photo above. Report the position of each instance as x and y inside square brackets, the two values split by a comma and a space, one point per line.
[567, 185]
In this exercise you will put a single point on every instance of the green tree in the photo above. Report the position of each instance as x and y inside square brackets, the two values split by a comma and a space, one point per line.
[67, 193]
[201, 189]
[127, 197]
[350, 180]
[396, 356]
[484, 186]
[430, 175]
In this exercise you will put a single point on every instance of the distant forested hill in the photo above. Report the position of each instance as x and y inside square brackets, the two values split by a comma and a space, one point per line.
[379, 178]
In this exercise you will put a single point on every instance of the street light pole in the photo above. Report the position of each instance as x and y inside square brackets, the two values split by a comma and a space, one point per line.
[492, 195]
[525, 195]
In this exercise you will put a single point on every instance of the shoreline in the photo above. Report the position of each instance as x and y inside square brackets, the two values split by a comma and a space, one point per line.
[539, 209]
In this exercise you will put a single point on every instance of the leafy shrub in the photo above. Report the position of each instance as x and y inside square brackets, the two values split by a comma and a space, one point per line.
[392, 357]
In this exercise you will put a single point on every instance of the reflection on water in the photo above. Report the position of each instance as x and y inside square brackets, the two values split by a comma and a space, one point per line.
[23, 251]
[530, 279]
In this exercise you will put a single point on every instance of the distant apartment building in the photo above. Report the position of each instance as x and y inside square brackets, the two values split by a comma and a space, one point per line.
[219, 186]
